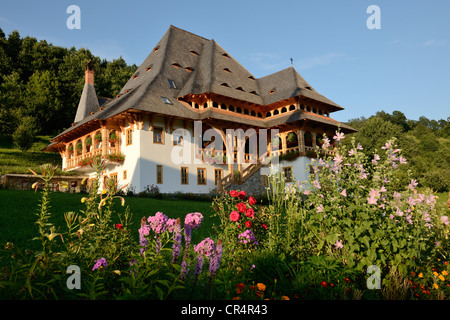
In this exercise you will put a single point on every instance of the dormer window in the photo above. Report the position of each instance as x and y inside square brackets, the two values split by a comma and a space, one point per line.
[240, 89]
[271, 91]
[188, 69]
[253, 92]
[155, 49]
[252, 78]
[148, 68]
[195, 53]
[225, 55]
[227, 70]
[135, 76]
[166, 100]
[225, 84]
[176, 65]
[172, 84]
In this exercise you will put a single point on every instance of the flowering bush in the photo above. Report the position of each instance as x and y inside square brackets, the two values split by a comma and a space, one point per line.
[353, 212]
[242, 221]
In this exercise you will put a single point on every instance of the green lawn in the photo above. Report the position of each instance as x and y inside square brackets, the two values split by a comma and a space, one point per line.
[17, 210]
[12, 160]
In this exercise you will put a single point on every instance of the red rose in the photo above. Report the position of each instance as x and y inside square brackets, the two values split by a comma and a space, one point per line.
[248, 224]
[250, 213]
[233, 193]
[119, 226]
[324, 284]
[251, 200]
[234, 216]
[242, 194]
[264, 226]
[241, 207]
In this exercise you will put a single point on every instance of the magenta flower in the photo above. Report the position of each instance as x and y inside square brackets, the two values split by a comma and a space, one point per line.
[100, 263]
[158, 222]
[193, 220]
[247, 237]
[206, 247]
[177, 240]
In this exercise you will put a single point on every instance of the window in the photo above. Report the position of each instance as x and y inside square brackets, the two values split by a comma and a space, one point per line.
[184, 175]
[124, 174]
[114, 178]
[271, 91]
[195, 53]
[218, 174]
[227, 70]
[172, 84]
[166, 100]
[159, 174]
[158, 135]
[129, 136]
[176, 65]
[287, 174]
[177, 138]
[201, 176]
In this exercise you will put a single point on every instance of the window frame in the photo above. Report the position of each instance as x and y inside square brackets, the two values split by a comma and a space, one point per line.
[216, 182]
[291, 178]
[199, 182]
[162, 135]
[129, 137]
[159, 176]
[186, 174]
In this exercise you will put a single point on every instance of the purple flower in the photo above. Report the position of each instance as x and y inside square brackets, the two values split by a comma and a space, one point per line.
[193, 220]
[206, 247]
[247, 237]
[215, 258]
[177, 240]
[99, 263]
[158, 222]
[198, 265]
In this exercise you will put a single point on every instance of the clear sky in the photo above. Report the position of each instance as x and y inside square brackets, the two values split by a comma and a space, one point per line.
[403, 66]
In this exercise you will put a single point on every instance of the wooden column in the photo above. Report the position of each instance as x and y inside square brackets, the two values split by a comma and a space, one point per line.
[314, 137]
[105, 141]
[301, 140]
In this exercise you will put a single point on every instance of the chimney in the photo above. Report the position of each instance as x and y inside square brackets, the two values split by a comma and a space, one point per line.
[89, 73]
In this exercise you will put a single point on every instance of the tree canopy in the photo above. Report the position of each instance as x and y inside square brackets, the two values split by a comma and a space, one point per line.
[43, 81]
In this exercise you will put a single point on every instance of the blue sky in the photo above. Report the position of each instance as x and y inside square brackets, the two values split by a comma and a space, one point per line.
[403, 66]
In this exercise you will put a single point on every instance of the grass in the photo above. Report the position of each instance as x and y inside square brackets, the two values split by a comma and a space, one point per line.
[18, 208]
[12, 160]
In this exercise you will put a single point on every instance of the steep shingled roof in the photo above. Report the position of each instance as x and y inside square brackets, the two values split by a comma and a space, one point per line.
[196, 65]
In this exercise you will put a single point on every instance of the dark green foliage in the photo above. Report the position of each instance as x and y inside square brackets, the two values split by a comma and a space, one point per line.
[44, 81]
[424, 143]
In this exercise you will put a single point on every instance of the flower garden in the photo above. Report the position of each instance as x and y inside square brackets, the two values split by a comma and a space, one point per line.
[351, 232]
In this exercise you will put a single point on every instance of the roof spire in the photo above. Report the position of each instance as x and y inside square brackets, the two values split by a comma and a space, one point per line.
[89, 73]
[292, 61]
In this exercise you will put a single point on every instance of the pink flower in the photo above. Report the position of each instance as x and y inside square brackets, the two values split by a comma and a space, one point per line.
[251, 201]
[344, 192]
[413, 184]
[444, 220]
[371, 200]
[338, 244]
[316, 184]
[339, 136]
[234, 216]
[320, 208]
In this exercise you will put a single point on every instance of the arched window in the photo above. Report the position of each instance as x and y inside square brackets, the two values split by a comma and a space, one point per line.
[291, 107]
[292, 140]
[308, 139]
[215, 105]
[268, 114]
[283, 110]
[276, 112]
[223, 107]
